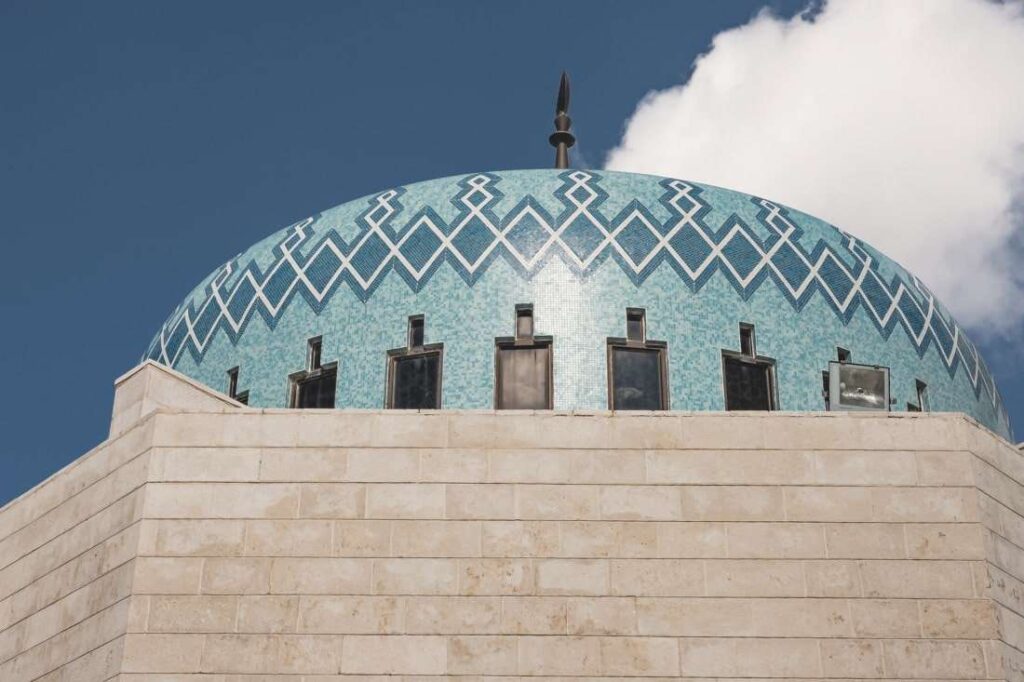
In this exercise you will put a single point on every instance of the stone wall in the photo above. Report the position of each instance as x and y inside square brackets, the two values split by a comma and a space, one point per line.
[234, 545]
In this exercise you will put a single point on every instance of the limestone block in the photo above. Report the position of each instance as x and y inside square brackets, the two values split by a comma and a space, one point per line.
[436, 538]
[222, 500]
[453, 466]
[350, 614]
[602, 616]
[754, 578]
[656, 503]
[405, 501]
[603, 466]
[657, 577]
[857, 658]
[944, 468]
[495, 576]
[945, 541]
[453, 615]
[557, 502]
[236, 576]
[488, 501]
[204, 464]
[161, 575]
[534, 615]
[776, 540]
[639, 656]
[833, 578]
[289, 538]
[144, 653]
[320, 576]
[729, 467]
[959, 619]
[520, 538]
[303, 464]
[394, 655]
[265, 654]
[741, 657]
[732, 503]
[934, 658]
[415, 576]
[924, 504]
[192, 614]
[263, 614]
[559, 656]
[199, 537]
[332, 501]
[691, 540]
[689, 617]
[362, 538]
[922, 579]
[383, 465]
[480, 655]
[864, 467]
[572, 576]
[530, 466]
[833, 503]
[608, 539]
[891, 618]
[865, 540]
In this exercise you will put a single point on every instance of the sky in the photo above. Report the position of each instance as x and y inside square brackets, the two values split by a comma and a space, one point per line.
[144, 144]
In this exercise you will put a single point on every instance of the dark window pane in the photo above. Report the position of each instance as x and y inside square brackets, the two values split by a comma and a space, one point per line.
[747, 385]
[636, 379]
[315, 346]
[416, 333]
[635, 326]
[747, 341]
[523, 375]
[316, 391]
[524, 324]
[417, 379]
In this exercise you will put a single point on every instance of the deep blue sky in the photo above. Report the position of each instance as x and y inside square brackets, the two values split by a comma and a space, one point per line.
[143, 144]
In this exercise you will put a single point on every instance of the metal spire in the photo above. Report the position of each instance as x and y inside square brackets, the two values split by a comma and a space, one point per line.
[562, 139]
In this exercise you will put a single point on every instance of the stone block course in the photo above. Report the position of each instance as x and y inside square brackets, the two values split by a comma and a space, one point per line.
[235, 545]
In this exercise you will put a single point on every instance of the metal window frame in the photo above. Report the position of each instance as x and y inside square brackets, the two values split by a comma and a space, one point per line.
[524, 343]
[396, 354]
[660, 347]
[760, 361]
[295, 379]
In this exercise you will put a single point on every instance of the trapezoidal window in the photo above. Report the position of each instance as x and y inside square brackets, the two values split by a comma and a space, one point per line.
[523, 367]
[314, 387]
[414, 372]
[637, 368]
[748, 378]
[233, 392]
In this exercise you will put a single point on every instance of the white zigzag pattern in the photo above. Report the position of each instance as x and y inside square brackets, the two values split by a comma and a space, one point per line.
[582, 197]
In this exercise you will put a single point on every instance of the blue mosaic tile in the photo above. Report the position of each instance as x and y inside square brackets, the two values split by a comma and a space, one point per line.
[581, 246]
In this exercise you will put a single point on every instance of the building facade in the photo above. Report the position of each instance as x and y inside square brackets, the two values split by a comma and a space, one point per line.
[536, 424]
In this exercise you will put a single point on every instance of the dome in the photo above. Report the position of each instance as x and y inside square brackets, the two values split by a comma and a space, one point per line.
[586, 254]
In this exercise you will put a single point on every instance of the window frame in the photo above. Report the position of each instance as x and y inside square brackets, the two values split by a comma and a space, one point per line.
[395, 355]
[314, 356]
[524, 343]
[643, 343]
[759, 361]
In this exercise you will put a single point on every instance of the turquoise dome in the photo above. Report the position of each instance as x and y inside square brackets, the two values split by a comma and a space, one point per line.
[580, 246]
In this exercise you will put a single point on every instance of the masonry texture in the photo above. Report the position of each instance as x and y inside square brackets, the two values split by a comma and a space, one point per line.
[207, 542]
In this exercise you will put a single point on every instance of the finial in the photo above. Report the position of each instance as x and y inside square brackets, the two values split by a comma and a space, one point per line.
[562, 139]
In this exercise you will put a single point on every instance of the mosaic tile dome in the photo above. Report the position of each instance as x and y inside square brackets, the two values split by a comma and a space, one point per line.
[581, 246]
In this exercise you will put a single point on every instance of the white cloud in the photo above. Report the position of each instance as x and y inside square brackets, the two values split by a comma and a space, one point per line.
[902, 122]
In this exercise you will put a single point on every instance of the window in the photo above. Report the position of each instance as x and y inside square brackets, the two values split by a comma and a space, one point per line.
[414, 372]
[637, 368]
[523, 367]
[858, 387]
[748, 378]
[922, 398]
[242, 397]
[315, 386]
